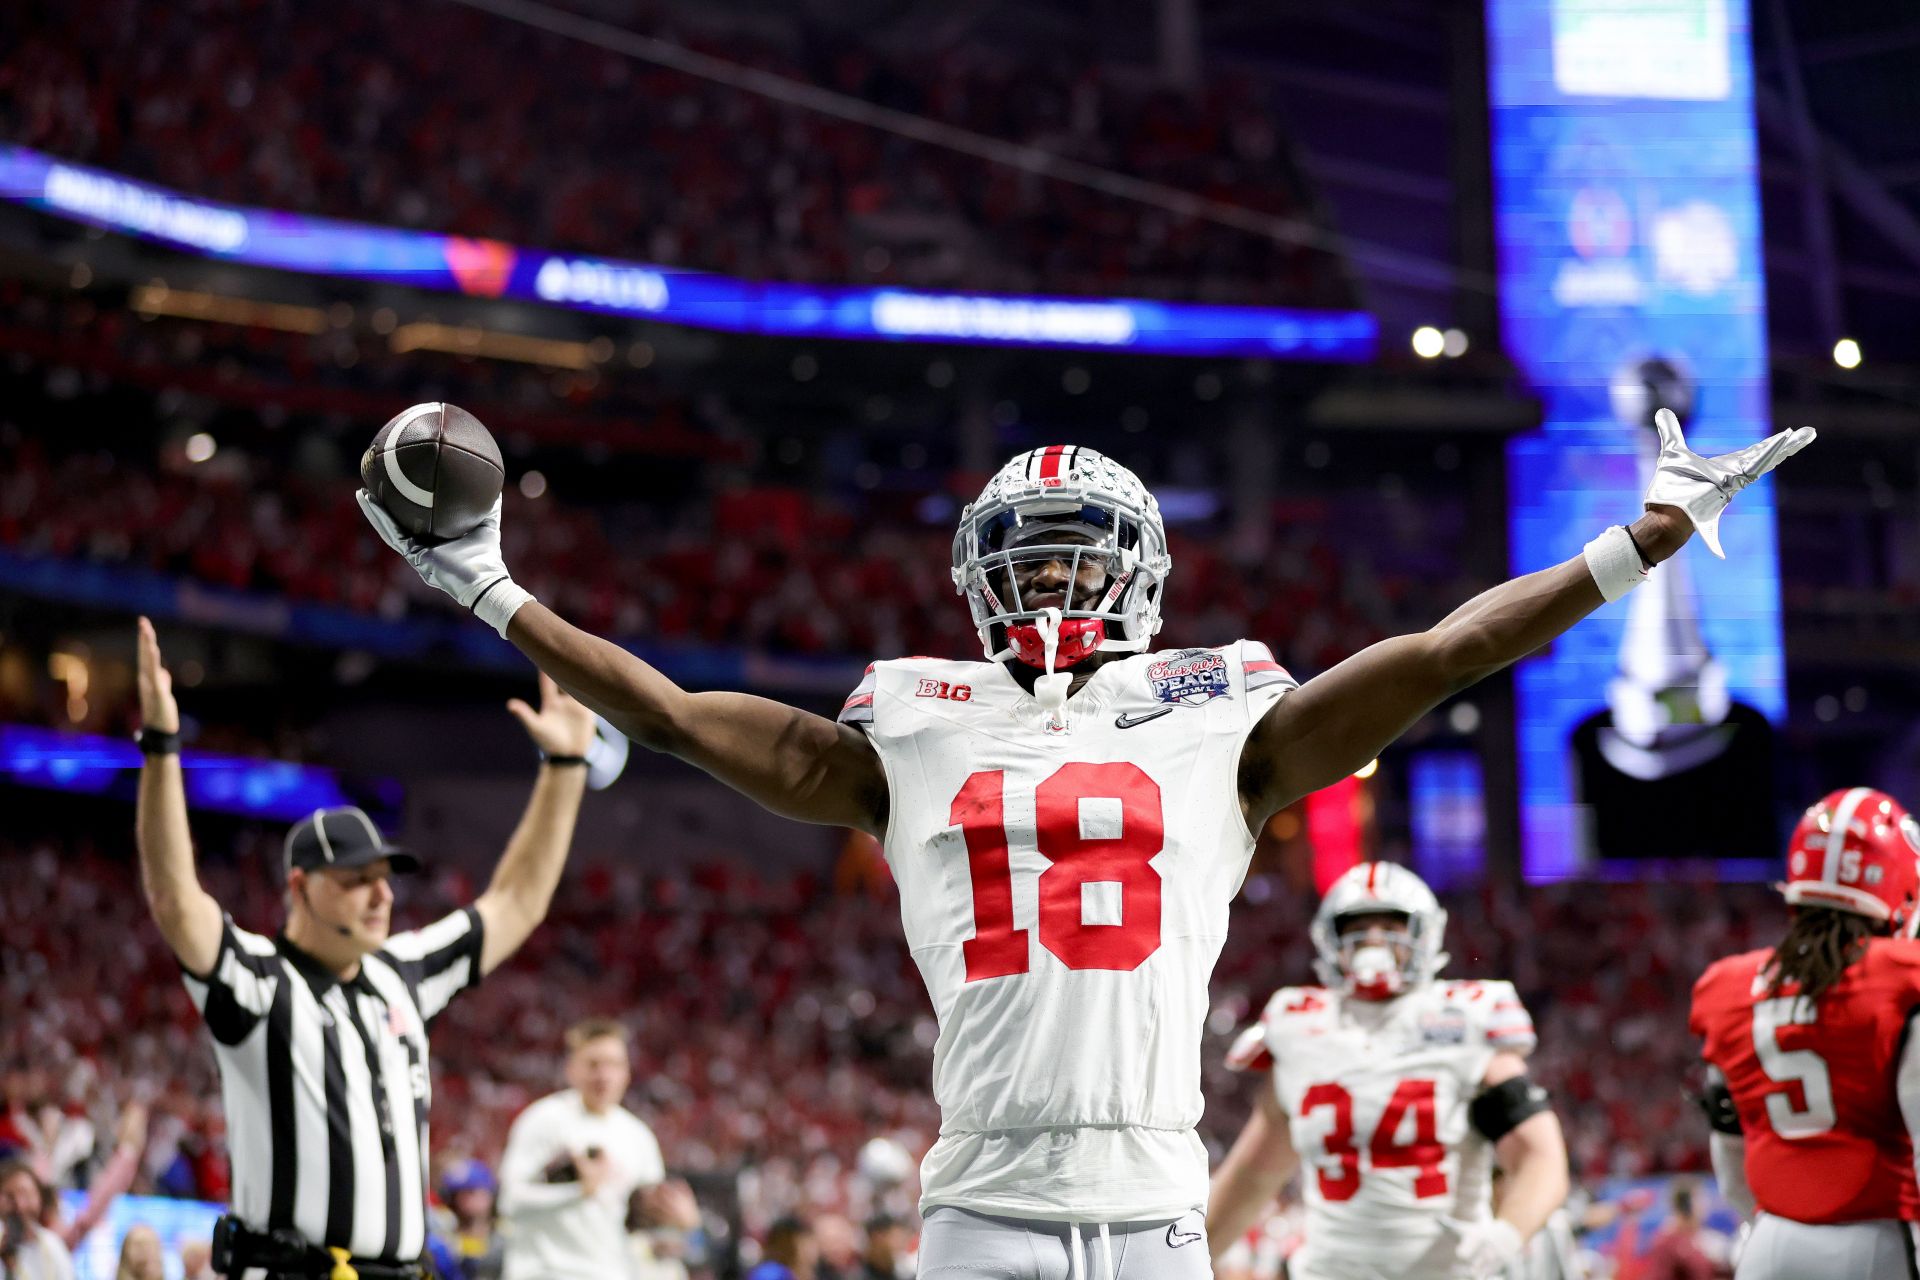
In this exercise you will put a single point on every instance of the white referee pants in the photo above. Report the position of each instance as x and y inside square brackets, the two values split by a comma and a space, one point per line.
[1782, 1249]
[957, 1244]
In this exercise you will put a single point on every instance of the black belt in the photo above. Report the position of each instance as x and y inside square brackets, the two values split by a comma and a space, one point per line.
[238, 1249]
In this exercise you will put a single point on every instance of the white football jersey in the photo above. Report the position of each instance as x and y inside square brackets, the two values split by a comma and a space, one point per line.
[1376, 1095]
[1065, 893]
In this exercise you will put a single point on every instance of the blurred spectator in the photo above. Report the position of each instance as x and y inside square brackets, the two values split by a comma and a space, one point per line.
[888, 1252]
[1686, 1248]
[140, 1255]
[573, 1162]
[790, 1252]
[37, 1197]
[28, 1251]
[112, 1180]
[196, 1261]
[465, 1242]
[838, 1246]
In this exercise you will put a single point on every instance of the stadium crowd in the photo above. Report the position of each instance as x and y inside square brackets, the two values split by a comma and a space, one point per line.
[536, 140]
[766, 567]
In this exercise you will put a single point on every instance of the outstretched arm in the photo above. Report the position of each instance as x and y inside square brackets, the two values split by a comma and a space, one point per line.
[795, 763]
[792, 762]
[1258, 1166]
[1336, 722]
[188, 917]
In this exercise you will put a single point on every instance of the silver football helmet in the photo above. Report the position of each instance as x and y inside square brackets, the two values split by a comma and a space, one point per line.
[1410, 956]
[1075, 506]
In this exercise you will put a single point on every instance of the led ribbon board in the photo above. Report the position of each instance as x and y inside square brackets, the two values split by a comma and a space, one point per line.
[1628, 226]
[275, 790]
[492, 269]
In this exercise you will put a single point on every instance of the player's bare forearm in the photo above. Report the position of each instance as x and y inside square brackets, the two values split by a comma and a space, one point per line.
[1533, 1159]
[1255, 1170]
[789, 761]
[188, 916]
[1341, 719]
[517, 897]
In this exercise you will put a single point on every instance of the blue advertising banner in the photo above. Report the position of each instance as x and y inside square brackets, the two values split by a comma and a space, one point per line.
[1628, 229]
[493, 269]
[277, 790]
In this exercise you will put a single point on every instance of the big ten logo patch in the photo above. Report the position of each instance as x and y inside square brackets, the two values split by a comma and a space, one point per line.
[941, 689]
[1190, 676]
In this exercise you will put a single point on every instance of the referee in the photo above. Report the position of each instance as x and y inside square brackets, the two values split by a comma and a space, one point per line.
[321, 1032]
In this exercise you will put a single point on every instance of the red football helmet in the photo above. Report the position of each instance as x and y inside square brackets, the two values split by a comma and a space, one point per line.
[1858, 850]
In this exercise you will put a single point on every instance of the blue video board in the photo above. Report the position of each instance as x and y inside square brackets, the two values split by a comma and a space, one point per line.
[494, 269]
[1628, 229]
[271, 790]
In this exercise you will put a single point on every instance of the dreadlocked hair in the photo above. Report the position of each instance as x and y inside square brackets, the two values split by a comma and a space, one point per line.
[1820, 943]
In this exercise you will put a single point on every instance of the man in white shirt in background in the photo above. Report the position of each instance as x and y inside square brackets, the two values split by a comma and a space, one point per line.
[573, 1161]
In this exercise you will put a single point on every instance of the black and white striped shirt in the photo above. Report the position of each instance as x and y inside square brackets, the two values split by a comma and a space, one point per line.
[326, 1083]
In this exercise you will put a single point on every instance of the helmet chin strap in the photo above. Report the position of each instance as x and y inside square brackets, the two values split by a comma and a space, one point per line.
[1050, 689]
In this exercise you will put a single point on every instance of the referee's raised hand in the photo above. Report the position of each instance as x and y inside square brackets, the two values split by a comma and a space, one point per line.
[158, 710]
[188, 917]
[562, 727]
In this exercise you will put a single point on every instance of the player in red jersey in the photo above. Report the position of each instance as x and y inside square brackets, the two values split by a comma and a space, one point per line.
[1814, 1082]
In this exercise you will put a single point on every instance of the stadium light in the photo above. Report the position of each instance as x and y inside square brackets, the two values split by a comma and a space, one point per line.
[1453, 343]
[200, 447]
[1846, 353]
[1368, 769]
[1428, 342]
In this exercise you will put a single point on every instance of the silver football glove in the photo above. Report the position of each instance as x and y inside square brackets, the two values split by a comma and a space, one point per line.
[468, 568]
[1702, 487]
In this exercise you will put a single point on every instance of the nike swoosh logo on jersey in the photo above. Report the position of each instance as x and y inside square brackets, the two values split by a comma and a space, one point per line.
[1127, 719]
[1175, 1236]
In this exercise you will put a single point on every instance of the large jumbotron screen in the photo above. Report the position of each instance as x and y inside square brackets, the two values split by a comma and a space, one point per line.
[1628, 227]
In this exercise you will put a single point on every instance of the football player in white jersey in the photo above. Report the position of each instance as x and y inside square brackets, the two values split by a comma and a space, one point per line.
[1393, 1092]
[1068, 820]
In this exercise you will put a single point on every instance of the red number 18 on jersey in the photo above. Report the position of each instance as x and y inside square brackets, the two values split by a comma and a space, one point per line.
[1107, 842]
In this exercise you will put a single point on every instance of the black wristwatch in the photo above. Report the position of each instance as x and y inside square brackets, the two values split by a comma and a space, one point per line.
[562, 760]
[158, 742]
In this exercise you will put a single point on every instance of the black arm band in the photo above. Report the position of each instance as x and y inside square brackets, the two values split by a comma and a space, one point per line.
[1500, 1110]
[158, 742]
[563, 760]
[1716, 1102]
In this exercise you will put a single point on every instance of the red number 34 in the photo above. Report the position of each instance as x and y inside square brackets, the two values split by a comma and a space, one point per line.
[999, 950]
[1339, 1174]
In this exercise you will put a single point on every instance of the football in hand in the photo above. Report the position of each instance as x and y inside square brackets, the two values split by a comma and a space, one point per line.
[435, 470]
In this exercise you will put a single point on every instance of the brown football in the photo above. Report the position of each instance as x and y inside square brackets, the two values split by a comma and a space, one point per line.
[435, 470]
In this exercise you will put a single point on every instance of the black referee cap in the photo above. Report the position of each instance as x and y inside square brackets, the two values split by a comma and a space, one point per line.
[339, 839]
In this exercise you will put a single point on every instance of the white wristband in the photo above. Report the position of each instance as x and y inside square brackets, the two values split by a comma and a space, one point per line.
[497, 604]
[1614, 562]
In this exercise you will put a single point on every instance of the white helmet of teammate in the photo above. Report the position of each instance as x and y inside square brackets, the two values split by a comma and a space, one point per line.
[1073, 505]
[1409, 957]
